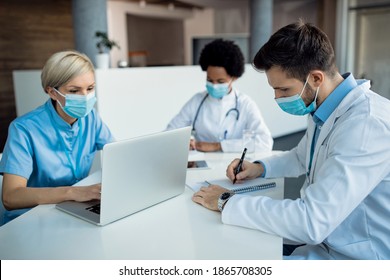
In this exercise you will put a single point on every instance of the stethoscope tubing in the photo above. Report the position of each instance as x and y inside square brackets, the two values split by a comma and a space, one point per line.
[235, 109]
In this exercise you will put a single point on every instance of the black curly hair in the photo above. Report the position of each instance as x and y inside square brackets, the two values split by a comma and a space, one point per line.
[223, 53]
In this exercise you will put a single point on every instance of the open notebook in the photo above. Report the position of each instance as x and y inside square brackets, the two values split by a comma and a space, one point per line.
[239, 187]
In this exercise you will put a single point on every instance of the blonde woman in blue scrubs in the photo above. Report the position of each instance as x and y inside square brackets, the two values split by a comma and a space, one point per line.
[52, 147]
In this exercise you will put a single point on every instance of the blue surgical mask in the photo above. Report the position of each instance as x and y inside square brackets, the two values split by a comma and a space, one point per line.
[217, 90]
[295, 105]
[77, 106]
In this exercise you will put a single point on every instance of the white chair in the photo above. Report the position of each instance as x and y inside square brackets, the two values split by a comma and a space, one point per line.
[2, 209]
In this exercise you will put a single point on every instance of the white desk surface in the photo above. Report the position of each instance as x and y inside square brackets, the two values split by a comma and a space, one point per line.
[173, 230]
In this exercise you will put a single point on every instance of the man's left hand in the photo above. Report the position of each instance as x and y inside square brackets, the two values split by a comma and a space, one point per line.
[208, 196]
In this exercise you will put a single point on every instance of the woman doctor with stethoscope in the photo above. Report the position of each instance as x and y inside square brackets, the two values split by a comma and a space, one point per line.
[220, 114]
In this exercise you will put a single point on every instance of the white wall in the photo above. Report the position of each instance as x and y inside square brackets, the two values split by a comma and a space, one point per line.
[137, 101]
[195, 23]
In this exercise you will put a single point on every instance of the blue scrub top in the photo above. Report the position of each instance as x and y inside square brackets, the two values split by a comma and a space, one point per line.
[48, 151]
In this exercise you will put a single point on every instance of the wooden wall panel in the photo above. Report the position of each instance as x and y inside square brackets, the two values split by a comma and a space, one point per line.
[30, 31]
[327, 11]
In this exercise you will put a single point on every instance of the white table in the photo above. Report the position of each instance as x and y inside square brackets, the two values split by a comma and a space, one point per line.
[175, 229]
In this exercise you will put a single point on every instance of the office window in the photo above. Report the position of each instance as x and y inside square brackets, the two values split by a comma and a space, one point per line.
[368, 43]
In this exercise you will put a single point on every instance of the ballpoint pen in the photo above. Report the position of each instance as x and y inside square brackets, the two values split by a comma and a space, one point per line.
[239, 166]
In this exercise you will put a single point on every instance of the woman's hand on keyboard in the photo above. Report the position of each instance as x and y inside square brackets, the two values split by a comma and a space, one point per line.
[86, 193]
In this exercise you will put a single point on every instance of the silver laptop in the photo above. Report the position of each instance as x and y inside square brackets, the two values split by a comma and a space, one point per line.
[136, 174]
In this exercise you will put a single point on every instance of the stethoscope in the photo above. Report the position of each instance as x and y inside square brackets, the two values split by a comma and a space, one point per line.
[232, 110]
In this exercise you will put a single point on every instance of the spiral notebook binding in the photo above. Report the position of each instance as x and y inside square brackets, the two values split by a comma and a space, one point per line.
[254, 188]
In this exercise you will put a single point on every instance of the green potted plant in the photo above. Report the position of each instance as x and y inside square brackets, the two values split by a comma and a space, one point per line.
[104, 45]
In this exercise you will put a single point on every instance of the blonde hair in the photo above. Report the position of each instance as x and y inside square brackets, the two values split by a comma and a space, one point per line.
[63, 66]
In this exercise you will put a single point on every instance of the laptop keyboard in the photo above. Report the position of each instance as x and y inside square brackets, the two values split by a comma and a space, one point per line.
[94, 208]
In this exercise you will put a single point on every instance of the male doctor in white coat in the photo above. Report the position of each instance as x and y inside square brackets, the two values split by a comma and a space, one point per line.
[344, 208]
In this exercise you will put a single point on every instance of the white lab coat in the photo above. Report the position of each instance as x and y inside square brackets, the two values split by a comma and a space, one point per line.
[212, 125]
[344, 212]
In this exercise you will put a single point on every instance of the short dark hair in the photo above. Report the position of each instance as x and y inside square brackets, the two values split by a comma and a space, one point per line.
[223, 53]
[297, 49]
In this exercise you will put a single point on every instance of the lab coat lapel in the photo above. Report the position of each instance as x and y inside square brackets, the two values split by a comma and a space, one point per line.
[327, 127]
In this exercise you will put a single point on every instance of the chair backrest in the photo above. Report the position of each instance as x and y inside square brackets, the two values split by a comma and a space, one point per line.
[2, 209]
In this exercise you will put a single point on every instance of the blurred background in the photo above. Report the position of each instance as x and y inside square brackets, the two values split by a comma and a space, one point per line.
[170, 33]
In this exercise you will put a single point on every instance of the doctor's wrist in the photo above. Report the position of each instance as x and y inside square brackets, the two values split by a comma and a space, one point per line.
[261, 168]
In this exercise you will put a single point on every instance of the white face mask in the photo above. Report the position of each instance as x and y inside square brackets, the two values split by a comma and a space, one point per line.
[77, 106]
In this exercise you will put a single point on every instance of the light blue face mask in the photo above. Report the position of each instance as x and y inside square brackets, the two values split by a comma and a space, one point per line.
[78, 106]
[217, 90]
[295, 105]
